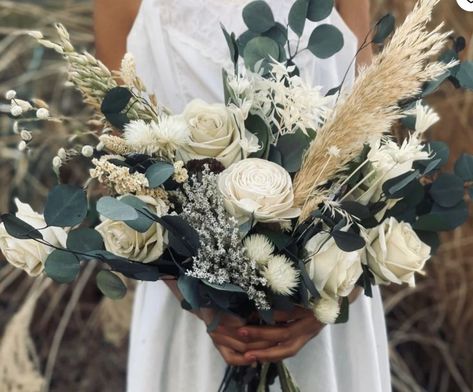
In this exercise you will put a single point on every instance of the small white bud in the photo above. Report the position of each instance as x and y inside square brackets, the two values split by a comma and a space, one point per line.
[62, 154]
[22, 146]
[87, 151]
[42, 114]
[16, 110]
[24, 105]
[100, 146]
[26, 135]
[11, 94]
[57, 162]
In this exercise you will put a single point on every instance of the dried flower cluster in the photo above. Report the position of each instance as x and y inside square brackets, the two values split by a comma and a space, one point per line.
[221, 258]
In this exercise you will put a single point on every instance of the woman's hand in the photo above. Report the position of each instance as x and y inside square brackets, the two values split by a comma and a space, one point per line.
[232, 345]
[285, 340]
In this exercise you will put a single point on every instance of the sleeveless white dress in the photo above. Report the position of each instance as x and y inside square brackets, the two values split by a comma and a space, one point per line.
[180, 51]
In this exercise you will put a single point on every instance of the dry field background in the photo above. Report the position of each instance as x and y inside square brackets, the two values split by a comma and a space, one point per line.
[430, 327]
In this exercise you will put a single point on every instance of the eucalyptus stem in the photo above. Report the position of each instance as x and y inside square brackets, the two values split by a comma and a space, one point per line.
[287, 382]
[263, 377]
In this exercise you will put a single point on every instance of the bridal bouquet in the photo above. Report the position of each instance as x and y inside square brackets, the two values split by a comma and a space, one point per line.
[279, 196]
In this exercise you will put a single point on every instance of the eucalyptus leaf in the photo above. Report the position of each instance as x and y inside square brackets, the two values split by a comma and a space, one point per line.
[277, 33]
[258, 16]
[189, 288]
[144, 222]
[443, 219]
[131, 269]
[158, 173]
[319, 9]
[62, 266]
[393, 188]
[232, 44]
[84, 240]
[243, 40]
[111, 285]
[384, 28]
[348, 241]
[260, 50]
[447, 190]
[66, 206]
[258, 126]
[464, 167]
[116, 210]
[116, 100]
[440, 150]
[325, 41]
[17, 228]
[118, 120]
[292, 147]
[275, 155]
[344, 311]
[464, 75]
[183, 238]
[298, 16]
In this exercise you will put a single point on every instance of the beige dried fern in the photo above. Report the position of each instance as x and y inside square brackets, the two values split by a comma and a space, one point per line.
[371, 107]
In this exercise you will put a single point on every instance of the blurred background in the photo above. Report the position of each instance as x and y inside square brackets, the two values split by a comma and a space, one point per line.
[430, 327]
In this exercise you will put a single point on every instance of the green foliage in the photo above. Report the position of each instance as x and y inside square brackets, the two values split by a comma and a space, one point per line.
[182, 237]
[62, 266]
[464, 75]
[258, 126]
[464, 167]
[258, 16]
[66, 206]
[189, 288]
[143, 223]
[325, 41]
[443, 219]
[114, 102]
[84, 240]
[110, 285]
[259, 51]
[344, 311]
[447, 190]
[348, 241]
[292, 147]
[384, 28]
[19, 229]
[319, 9]
[115, 209]
[158, 173]
[232, 44]
[393, 188]
[298, 16]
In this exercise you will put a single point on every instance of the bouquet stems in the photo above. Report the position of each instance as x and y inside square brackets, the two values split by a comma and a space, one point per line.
[287, 382]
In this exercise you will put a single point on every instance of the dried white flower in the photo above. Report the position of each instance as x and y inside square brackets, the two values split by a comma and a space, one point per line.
[425, 117]
[26, 135]
[87, 151]
[10, 94]
[128, 69]
[258, 248]
[100, 146]
[327, 310]
[334, 151]
[180, 172]
[171, 132]
[42, 113]
[16, 110]
[140, 137]
[61, 153]
[282, 277]
[36, 34]
[22, 146]
[57, 162]
[24, 105]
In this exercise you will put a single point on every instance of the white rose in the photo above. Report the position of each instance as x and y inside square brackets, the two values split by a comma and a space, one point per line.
[395, 253]
[216, 131]
[30, 255]
[333, 271]
[260, 189]
[122, 240]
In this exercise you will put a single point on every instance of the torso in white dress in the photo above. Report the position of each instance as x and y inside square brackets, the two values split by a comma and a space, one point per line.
[180, 51]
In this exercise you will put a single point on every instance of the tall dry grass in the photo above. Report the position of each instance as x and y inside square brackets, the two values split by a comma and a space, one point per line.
[430, 327]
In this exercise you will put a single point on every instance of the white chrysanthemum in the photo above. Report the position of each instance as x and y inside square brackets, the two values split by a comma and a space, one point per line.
[327, 310]
[140, 137]
[258, 248]
[282, 277]
[42, 113]
[171, 132]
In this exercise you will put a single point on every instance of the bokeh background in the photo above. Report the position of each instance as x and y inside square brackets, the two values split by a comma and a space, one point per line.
[74, 340]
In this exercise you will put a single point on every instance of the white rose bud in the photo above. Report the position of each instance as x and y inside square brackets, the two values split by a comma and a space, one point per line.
[42, 113]
[61, 153]
[333, 271]
[26, 135]
[395, 253]
[122, 240]
[87, 151]
[16, 111]
[260, 189]
[22, 146]
[10, 94]
[57, 162]
[216, 131]
[30, 255]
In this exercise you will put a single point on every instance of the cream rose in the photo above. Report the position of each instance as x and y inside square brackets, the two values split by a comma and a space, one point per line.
[122, 240]
[30, 255]
[333, 271]
[258, 188]
[216, 131]
[395, 253]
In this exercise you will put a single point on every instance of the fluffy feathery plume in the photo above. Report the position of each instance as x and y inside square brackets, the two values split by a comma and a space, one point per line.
[327, 310]
[282, 277]
[258, 248]
[371, 107]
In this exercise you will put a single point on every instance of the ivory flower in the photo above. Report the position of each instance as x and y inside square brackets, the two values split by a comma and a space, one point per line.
[30, 255]
[395, 253]
[281, 275]
[258, 189]
[258, 248]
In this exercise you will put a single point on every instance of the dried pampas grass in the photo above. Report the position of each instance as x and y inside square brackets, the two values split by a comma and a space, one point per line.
[371, 108]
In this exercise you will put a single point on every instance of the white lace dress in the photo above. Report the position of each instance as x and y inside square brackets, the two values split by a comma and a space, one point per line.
[180, 51]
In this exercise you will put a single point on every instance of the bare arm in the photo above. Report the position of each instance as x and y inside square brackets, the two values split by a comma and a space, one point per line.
[113, 20]
[357, 16]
